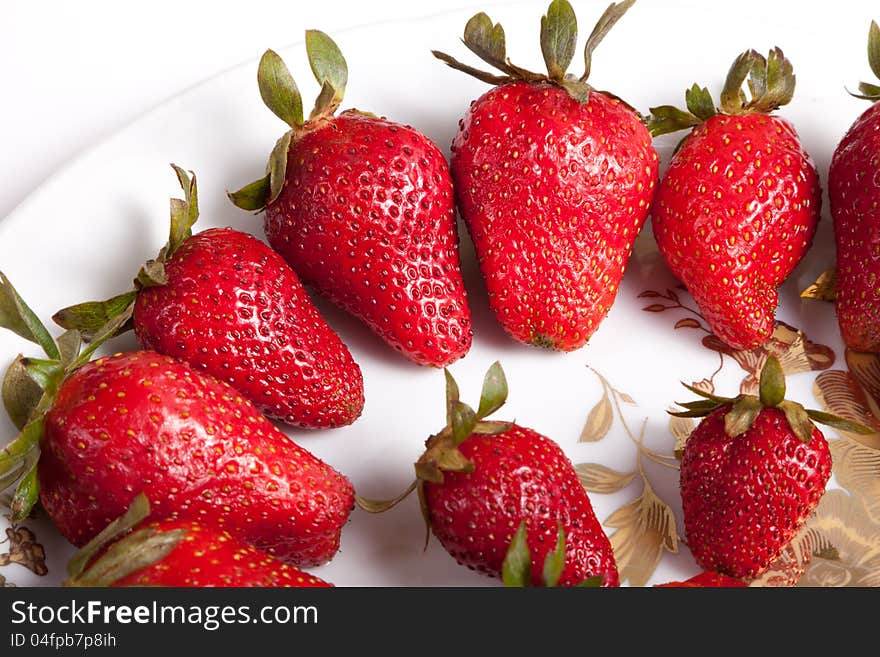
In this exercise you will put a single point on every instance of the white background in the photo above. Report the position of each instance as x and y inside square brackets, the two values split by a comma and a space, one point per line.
[74, 72]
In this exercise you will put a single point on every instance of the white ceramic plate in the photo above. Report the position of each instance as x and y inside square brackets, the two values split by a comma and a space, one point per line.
[84, 232]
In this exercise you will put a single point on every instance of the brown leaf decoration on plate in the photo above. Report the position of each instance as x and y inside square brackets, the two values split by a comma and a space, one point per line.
[857, 468]
[838, 392]
[649, 294]
[749, 385]
[598, 421]
[655, 308]
[681, 429]
[688, 322]
[796, 353]
[840, 522]
[24, 550]
[645, 527]
[625, 398]
[790, 566]
[705, 385]
[825, 287]
[865, 368]
[597, 478]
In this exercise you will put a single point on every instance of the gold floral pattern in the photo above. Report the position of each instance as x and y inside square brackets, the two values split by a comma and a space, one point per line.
[796, 353]
[22, 548]
[645, 527]
[825, 287]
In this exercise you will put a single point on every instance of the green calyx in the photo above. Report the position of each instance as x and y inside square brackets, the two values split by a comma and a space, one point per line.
[442, 453]
[867, 90]
[558, 42]
[281, 95]
[516, 570]
[441, 450]
[88, 318]
[29, 388]
[127, 555]
[770, 81]
[744, 409]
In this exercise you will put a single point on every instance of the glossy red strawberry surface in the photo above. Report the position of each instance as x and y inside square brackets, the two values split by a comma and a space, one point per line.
[706, 579]
[854, 192]
[210, 558]
[745, 498]
[367, 216]
[733, 215]
[233, 308]
[518, 476]
[554, 192]
[143, 422]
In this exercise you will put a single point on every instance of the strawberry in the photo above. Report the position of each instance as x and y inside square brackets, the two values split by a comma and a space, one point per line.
[95, 434]
[553, 180]
[230, 306]
[132, 551]
[706, 579]
[145, 422]
[854, 192]
[478, 481]
[739, 203]
[362, 208]
[752, 472]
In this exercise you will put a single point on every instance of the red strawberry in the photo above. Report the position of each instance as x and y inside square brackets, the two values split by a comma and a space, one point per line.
[95, 434]
[478, 481]
[228, 305]
[553, 180]
[738, 205]
[706, 579]
[145, 422]
[854, 191]
[362, 208]
[752, 472]
[181, 553]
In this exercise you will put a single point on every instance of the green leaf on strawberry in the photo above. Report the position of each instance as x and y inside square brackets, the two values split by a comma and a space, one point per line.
[278, 89]
[868, 90]
[516, 569]
[494, 392]
[330, 70]
[743, 410]
[16, 316]
[770, 80]
[21, 393]
[558, 38]
[89, 317]
[558, 41]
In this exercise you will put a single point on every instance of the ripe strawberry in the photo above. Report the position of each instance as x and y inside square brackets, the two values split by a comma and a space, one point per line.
[145, 422]
[738, 205]
[553, 180]
[230, 306]
[706, 579]
[752, 472]
[854, 191]
[362, 208]
[95, 434]
[181, 553]
[478, 481]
